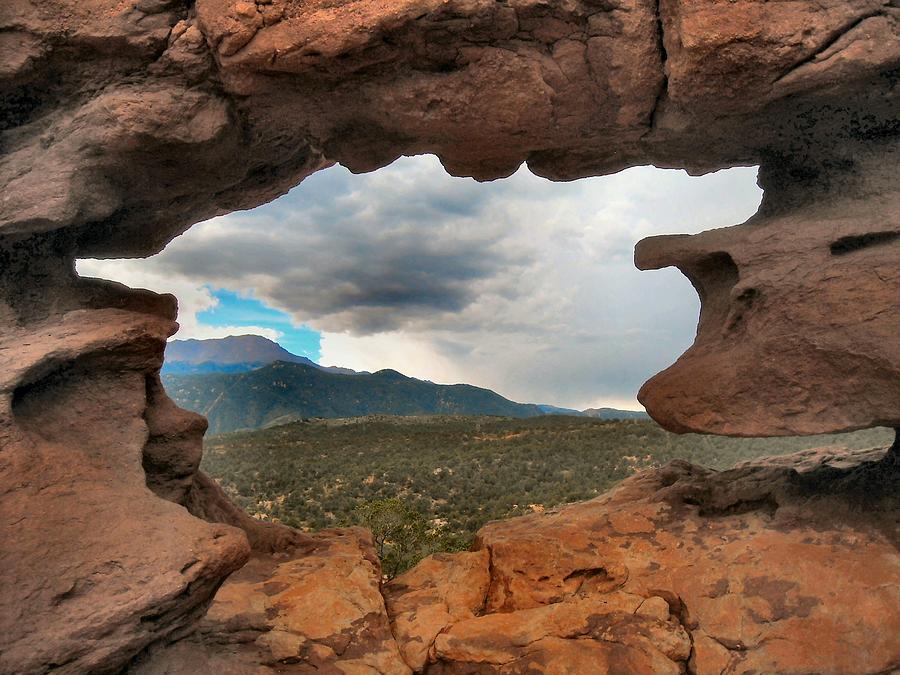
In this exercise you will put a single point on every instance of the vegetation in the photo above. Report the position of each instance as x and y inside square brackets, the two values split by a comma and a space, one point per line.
[429, 483]
[284, 392]
[402, 535]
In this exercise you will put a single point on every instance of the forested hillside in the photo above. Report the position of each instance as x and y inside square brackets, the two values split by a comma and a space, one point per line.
[284, 392]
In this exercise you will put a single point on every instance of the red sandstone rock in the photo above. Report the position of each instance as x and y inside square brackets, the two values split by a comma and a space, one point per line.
[440, 591]
[121, 123]
[317, 609]
[799, 318]
[576, 88]
[677, 568]
[96, 567]
[755, 565]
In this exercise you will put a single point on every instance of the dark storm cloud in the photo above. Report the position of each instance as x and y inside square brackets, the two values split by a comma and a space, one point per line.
[356, 257]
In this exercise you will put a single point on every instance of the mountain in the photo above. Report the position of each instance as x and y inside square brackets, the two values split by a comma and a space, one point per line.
[556, 410]
[233, 354]
[283, 392]
[615, 414]
[231, 382]
[598, 413]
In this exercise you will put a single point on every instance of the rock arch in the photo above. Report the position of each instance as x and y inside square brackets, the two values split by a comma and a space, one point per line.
[124, 123]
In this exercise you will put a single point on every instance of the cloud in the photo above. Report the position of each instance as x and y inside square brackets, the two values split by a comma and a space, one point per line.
[194, 299]
[522, 285]
[365, 256]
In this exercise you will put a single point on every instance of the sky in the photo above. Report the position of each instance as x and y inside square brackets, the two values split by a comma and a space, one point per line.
[521, 285]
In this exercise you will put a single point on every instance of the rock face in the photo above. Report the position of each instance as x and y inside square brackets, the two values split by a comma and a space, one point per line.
[96, 567]
[122, 119]
[747, 570]
[123, 123]
[319, 608]
[801, 312]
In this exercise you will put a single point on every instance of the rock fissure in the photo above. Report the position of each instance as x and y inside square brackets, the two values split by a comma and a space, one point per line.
[831, 41]
[656, 110]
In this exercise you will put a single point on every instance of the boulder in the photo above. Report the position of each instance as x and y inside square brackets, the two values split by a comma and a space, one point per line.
[318, 608]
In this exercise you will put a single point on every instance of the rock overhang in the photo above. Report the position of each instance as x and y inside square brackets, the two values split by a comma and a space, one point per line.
[223, 105]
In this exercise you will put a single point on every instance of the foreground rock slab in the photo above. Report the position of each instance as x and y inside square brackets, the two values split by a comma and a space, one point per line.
[755, 569]
[678, 569]
[318, 608]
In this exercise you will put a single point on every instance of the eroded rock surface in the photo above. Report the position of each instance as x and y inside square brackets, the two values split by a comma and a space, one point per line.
[747, 570]
[123, 123]
[678, 569]
[318, 608]
[95, 566]
[121, 119]
[800, 312]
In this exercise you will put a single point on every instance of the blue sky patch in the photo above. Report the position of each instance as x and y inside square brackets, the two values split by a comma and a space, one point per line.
[235, 309]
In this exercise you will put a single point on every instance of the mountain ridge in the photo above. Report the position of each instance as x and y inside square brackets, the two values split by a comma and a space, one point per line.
[282, 392]
[231, 354]
[615, 414]
[251, 382]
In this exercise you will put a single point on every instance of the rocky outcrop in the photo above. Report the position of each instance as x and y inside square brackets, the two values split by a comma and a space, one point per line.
[123, 123]
[319, 608]
[747, 570]
[800, 311]
[679, 569]
[122, 119]
[96, 567]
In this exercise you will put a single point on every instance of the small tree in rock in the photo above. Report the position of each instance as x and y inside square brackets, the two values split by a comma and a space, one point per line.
[402, 535]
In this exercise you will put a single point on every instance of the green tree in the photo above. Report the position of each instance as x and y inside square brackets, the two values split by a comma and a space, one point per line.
[401, 533]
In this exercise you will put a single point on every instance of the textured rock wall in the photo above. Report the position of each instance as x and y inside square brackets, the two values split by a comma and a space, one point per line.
[123, 123]
[96, 567]
[800, 310]
[123, 120]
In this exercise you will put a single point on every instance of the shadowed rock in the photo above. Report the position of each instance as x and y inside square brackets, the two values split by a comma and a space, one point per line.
[96, 567]
[799, 318]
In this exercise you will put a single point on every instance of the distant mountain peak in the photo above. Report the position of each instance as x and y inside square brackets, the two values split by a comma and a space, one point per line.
[615, 414]
[249, 381]
[231, 349]
[232, 354]
[282, 392]
[391, 374]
